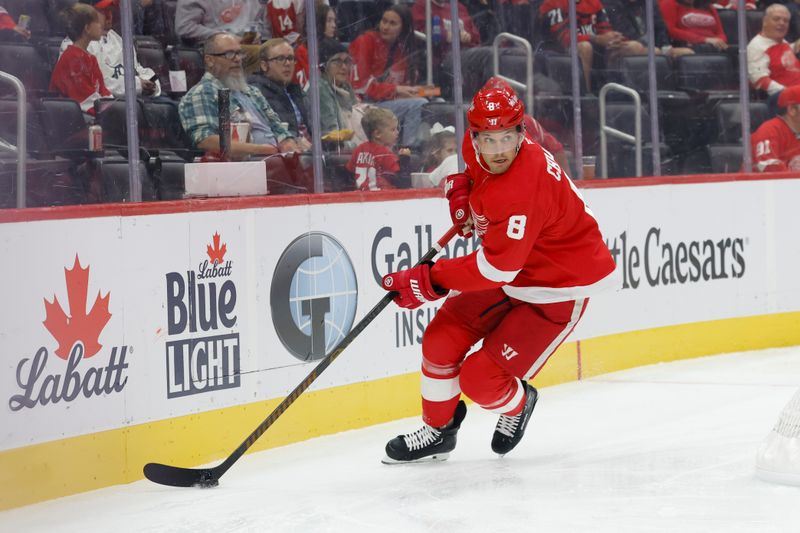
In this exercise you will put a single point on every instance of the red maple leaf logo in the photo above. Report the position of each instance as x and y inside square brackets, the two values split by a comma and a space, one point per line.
[216, 254]
[79, 326]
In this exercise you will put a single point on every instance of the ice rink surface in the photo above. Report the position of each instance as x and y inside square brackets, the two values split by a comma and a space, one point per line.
[667, 447]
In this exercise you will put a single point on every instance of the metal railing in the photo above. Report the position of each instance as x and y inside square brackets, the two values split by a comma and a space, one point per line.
[21, 149]
[527, 87]
[636, 138]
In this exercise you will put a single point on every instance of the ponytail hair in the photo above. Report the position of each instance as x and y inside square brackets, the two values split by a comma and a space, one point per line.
[77, 17]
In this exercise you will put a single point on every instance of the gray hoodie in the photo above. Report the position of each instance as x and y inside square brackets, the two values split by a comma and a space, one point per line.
[197, 20]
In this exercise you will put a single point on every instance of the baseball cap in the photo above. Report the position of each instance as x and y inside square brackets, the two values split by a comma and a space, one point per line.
[105, 4]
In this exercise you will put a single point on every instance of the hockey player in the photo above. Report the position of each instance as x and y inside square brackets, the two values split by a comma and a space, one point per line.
[522, 292]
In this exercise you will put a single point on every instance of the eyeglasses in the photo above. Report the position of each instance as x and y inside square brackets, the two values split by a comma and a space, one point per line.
[230, 54]
[282, 59]
[347, 62]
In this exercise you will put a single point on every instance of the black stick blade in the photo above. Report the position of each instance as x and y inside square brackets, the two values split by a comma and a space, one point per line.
[175, 476]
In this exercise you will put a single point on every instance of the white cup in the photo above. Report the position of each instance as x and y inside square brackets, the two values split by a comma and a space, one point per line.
[240, 131]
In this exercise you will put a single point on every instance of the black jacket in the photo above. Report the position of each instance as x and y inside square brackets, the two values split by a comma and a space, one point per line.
[628, 18]
[279, 101]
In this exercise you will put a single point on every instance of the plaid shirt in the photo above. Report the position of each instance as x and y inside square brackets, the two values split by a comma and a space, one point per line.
[199, 115]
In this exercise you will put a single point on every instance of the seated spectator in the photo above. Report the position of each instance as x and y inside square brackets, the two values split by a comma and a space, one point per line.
[10, 30]
[199, 112]
[772, 62]
[734, 4]
[694, 23]
[326, 21]
[339, 107]
[77, 74]
[776, 143]
[468, 34]
[441, 145]
[276, 83]
[374, 165]
[197, 20]
[108, 51]
[629, 18]
[794, 22]
[595, 32]
[383, 70]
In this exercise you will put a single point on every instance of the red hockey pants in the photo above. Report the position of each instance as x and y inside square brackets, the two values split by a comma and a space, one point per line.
[518, 338]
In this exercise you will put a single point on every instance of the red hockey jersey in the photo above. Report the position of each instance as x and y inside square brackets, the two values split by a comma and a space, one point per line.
[592, 19]
[771, 65]
[775, 147]
[284, 17]
[689, 24]
[77, 75]
[540, 241]
[370, 165]
[6, 22]
[370, 61]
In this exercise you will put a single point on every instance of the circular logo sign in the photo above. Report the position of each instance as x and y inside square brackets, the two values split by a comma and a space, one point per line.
[313, 296]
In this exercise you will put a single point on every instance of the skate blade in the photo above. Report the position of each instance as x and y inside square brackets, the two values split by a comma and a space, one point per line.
[429, 459]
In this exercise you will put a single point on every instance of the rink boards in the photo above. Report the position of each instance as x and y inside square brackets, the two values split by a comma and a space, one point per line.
[167, 332]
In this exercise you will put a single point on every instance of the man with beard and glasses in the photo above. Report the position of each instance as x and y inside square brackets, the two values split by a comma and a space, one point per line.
[198, 108]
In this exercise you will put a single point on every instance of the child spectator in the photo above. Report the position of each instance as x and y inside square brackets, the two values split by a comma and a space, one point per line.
[108, 51]
[441, 144]
[694, 23]
[373, 163]
[77, 74]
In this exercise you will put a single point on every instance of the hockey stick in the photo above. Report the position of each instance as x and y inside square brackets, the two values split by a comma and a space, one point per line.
[176, 476]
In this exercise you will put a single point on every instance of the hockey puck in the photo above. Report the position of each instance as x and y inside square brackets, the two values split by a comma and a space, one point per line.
[207, 483]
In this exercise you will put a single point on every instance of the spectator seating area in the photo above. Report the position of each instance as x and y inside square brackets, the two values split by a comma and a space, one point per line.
[698, 99]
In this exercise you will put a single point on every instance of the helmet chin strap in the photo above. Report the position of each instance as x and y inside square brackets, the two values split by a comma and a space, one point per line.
[480, 155]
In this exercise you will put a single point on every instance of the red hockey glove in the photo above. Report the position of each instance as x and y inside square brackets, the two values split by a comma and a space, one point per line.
[456, 189]
[413, 286]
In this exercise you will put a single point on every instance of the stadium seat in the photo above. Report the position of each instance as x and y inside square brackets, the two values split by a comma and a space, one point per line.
[706, 73]
[559, 68]
[48, 183]
[153, 57]
[754, 19]
[337, 177]
[634, 73]
[51, 50]
[725, 158]
[146, 41]
[115, 182]
[111, 115]
[622, 155]
[26, 63]
[190, 60]
[170, 181]
[65, 129]
[36, 145]
[729, 120]
[163, 130]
